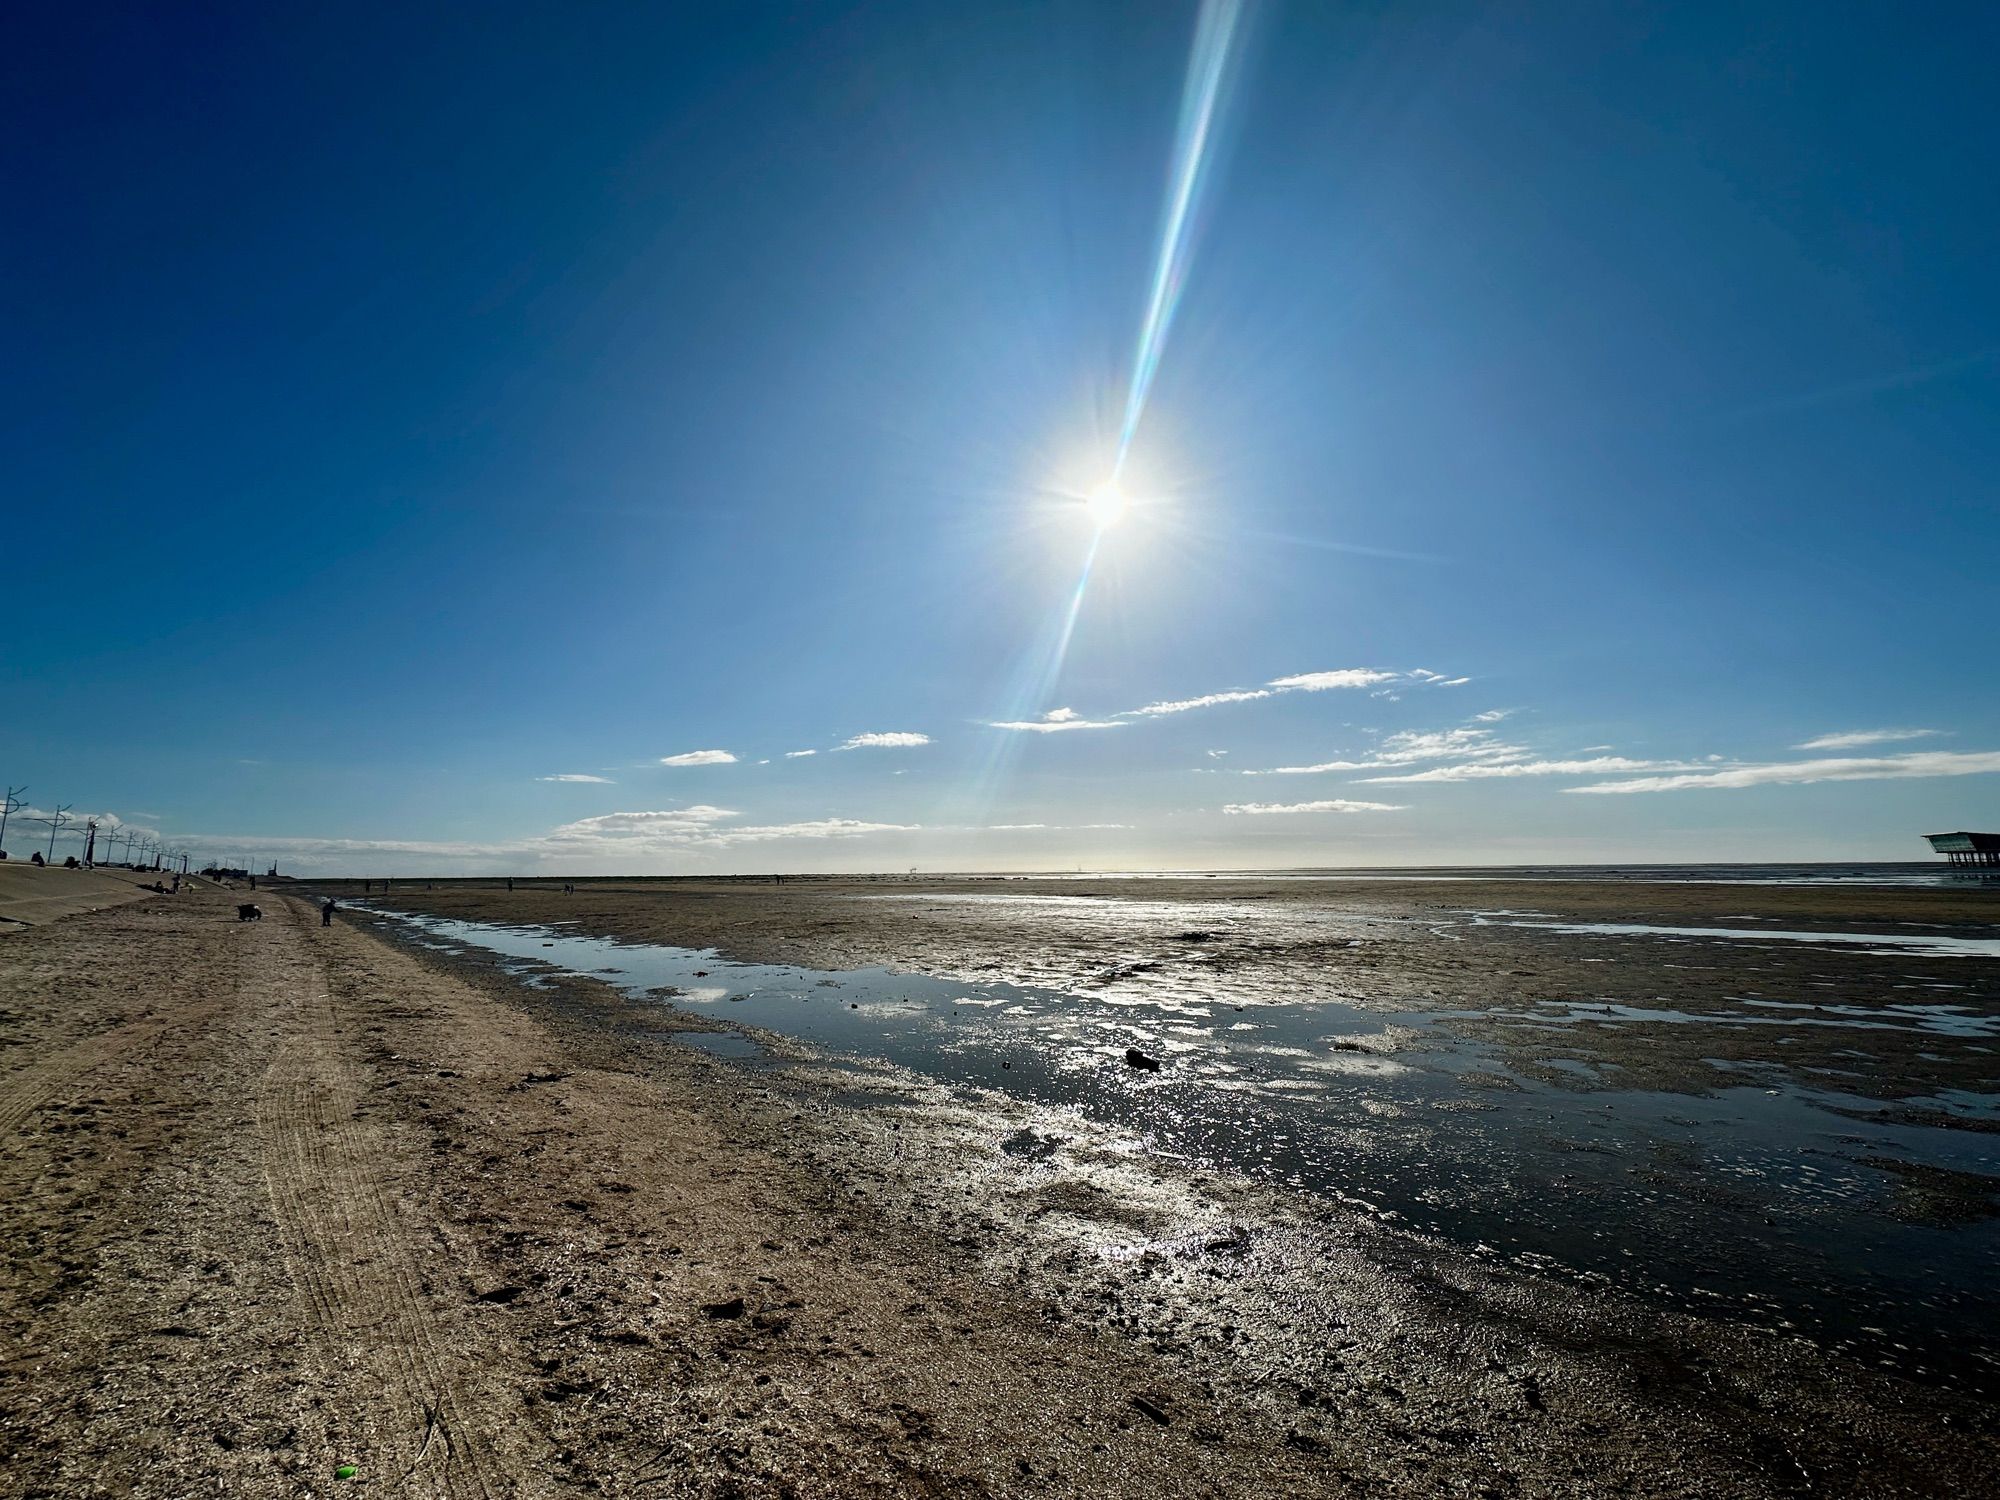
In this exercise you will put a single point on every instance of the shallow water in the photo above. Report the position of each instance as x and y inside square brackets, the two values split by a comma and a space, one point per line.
[1880, 944]
[1924, 874]
[1792, 1207]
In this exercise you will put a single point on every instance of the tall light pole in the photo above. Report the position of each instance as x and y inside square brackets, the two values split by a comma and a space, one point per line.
[55, 820]
[9, 804]
[90, 842]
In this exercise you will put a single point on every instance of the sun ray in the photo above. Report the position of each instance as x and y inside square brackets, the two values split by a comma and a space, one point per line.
[1214, 38]
[1040, 672]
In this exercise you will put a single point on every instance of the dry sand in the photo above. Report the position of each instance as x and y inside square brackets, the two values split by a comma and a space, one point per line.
[31, 895]
[284, 1198]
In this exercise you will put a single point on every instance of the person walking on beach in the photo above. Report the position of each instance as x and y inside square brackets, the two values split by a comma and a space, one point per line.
[326, 912]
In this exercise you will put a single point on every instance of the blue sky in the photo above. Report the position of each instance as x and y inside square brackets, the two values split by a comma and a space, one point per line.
[407, 406]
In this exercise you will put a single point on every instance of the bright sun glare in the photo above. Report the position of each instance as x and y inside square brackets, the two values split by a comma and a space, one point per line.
[1105, 504]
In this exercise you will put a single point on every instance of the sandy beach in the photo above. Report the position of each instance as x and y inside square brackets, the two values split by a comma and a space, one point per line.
[288, 1198]
[1179, 751]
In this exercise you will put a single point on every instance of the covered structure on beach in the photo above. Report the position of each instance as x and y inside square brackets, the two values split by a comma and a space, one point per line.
[1967, 848]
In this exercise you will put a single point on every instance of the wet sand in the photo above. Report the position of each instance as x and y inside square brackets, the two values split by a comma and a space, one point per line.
[1389, 945]
[290, 1198]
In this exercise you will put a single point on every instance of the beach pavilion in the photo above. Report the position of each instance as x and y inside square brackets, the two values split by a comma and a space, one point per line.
[1967, 848]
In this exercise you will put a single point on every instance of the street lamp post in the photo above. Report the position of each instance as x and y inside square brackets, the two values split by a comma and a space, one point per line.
[9, 804]
[55, 820]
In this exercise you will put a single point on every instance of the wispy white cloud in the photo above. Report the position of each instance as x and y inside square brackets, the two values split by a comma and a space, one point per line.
[892, 740]
[1855, 738]
[1299, 682]
[699, 758]
[1483, 770]
[323, 850]
[1316, 768]
[799, 754]
[820, 828]
[1206, 700]
[1056, 720]
[28, 826]
[1914, 764]
[579, 776]
[1412, 747]
[1491, 716]
[1319, 682]
[667, 821]
[1461, 743]
[1334, 805]
[697, 827]
[628, 838]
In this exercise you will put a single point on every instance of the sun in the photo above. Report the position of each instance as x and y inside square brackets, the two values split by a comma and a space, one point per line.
[1106, 504]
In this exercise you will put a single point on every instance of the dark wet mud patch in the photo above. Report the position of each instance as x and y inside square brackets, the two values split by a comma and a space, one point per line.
[1941, 1197]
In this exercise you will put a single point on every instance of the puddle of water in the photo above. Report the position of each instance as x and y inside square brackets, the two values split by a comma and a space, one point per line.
[1773, 1201]
[732, 1044]
[1941, 1020]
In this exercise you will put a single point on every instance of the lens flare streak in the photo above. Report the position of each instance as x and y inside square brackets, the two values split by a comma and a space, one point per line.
[1208, 67]
[1215, 39]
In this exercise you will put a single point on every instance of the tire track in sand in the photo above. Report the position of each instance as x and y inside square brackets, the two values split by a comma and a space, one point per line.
[347, 1249]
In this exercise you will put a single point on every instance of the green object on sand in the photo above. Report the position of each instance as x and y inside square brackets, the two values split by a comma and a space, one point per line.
[345, 1471]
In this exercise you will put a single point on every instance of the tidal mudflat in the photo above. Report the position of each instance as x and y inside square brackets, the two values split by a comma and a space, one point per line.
[1755, 1116]
[1768, 1188]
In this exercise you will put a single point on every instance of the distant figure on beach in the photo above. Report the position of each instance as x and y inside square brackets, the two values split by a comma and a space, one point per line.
[510, 882]
[326, 912]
